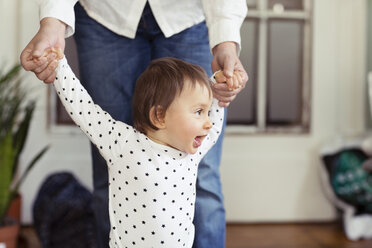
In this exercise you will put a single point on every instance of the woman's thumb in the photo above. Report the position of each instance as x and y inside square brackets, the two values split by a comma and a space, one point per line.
[228, 67]
[39, 49]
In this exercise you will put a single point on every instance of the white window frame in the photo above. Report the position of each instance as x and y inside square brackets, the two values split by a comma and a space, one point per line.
[263, 14]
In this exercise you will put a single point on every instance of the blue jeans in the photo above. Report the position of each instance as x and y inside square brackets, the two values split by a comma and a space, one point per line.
[109, 66]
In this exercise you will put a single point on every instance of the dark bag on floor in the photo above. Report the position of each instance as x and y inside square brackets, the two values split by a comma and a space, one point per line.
[349, 187]
[63, 213]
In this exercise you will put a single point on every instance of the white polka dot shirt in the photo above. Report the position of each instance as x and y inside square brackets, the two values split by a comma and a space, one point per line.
[151, 186]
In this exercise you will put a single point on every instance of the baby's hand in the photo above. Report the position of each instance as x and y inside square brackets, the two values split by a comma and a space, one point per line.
[52, 54]
[233, 83]
[57, 51]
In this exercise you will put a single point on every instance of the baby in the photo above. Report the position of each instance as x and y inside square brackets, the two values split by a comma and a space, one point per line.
[153, 165]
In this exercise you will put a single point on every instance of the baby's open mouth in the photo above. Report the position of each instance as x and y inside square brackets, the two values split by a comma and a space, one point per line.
[198, 140]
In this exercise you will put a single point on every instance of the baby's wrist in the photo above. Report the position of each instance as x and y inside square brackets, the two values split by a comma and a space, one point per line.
[215, 76]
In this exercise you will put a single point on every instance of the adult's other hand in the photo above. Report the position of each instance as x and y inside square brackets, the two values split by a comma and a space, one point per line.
[225, 58]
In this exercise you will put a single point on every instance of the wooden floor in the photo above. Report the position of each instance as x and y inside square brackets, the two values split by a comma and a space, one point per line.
[329, 235]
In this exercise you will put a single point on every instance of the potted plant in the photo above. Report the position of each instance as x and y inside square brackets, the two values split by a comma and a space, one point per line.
[16, 112]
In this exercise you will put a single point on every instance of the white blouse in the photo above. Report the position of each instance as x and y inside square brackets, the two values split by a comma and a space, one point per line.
[151, 186]
[223, 17]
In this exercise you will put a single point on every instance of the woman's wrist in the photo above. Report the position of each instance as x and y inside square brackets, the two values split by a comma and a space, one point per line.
[54, 24]
[227, 45]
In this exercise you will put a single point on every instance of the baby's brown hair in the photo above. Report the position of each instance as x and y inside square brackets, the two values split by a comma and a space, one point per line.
[158, 86]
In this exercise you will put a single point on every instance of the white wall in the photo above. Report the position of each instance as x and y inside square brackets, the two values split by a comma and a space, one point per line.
[265, 177]
[276, 177]
[9, 39]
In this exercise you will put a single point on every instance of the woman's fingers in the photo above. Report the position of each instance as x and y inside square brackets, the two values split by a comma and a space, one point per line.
[233, 83]
[48, 73]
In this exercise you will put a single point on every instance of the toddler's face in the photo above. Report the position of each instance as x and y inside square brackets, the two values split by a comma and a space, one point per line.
[187, 118]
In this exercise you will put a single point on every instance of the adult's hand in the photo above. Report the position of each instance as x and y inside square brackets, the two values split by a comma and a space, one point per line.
[41, 54]
[226, 59]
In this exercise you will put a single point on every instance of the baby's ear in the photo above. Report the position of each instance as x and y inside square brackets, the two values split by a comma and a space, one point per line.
[157, 115]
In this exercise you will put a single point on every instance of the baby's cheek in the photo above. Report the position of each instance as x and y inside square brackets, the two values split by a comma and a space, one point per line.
[187, 130]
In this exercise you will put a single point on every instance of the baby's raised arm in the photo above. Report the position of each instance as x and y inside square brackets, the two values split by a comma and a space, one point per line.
[217, 112]
[216, 116]
[96, 123]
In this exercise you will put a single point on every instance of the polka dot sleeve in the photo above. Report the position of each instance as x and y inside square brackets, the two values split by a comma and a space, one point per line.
[96, 123]
[216, 117]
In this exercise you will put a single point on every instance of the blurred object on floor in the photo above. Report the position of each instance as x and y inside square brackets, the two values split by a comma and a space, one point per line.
[349, 187]
[63, 213]
[28, 238]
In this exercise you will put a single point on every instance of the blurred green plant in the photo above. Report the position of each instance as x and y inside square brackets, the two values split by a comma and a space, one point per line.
[16, 112]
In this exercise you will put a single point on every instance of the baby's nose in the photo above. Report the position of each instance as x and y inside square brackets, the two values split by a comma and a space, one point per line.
[207, 124]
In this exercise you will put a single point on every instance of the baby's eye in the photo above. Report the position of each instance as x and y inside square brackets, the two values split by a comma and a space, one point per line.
[198, 112]
[209, 113]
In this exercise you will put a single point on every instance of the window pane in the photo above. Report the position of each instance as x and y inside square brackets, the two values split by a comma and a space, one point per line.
[242, 109]
[286, 4]
[62, 116]
[284, 85]
[252, 4]
[70, 52]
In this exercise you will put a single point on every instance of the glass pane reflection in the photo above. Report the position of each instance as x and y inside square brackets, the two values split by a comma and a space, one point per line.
[284, 70]
[62, 116]
[242, 109]
[286, 4]
[252, 4]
